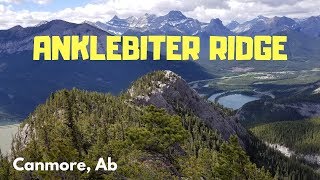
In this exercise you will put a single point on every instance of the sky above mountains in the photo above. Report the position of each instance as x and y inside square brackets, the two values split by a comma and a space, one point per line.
[31, 12]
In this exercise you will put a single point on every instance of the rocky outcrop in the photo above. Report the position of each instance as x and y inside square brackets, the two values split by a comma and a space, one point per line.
[169, 91]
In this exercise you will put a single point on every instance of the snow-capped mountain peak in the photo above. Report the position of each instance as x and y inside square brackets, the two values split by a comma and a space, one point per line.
[232, 25]
[176, 23]
[216, 21]
[118, 21]
[132, 20]
[175, 15]
[41, 23]
[216, 27]
[263, 25]
[310, 26]
[115, 18]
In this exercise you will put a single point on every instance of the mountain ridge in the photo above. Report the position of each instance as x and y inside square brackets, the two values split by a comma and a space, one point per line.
[93, 125]
[258, 26]
[169, 91]
[179, 23]
[80, 125]
[21, 39]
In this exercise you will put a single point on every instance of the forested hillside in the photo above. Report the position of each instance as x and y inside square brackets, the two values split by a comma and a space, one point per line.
[301, 136]
[185, 139]
[291, 102]
[147, 143]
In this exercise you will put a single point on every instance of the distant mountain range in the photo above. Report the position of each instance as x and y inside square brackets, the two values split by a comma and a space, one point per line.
[173, 23]
[25, 83]
[176, 23]
[303, 35]
[17, 39]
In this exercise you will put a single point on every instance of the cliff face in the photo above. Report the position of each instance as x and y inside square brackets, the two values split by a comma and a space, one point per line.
[165, 89]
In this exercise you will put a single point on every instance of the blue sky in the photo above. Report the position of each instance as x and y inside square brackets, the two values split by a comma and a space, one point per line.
[50, 6]
[31, 12]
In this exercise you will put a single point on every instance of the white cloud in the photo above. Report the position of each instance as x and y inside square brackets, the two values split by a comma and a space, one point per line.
[275, 3]
[41, 1]
[243, 10]
[10, 1]
[203, 10]
[26, 1]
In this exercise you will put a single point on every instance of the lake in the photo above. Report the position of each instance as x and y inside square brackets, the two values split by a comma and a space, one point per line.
[233, 101]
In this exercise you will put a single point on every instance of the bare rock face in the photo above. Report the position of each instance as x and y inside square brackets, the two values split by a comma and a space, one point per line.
[165, 89]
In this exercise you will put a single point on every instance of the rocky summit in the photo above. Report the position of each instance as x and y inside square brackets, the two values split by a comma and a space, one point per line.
[165, 89]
